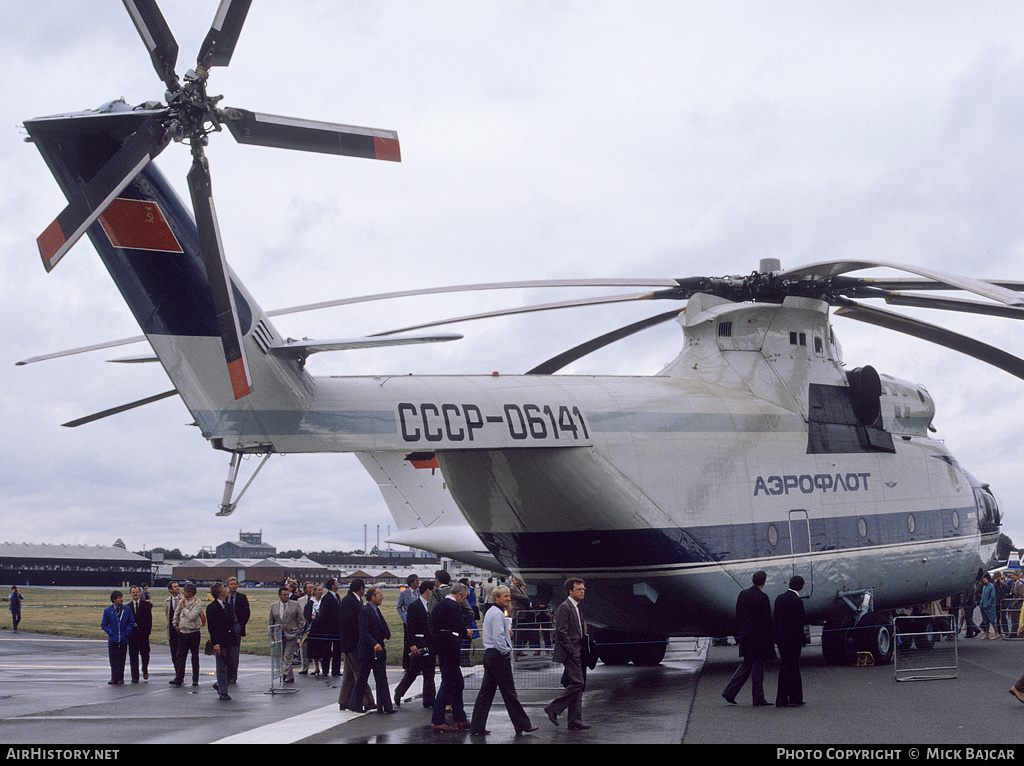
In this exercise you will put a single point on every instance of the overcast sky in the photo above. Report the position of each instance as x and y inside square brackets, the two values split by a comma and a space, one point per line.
[539, 140]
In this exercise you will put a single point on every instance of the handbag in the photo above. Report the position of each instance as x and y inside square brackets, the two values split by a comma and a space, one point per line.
[208, 649]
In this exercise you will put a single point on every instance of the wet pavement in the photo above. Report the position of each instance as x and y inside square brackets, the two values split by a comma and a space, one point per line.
[53, 691]
[854, 706]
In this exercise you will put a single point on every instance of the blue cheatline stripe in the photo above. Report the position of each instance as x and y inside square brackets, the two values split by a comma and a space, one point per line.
[722, 543]
[296, 422]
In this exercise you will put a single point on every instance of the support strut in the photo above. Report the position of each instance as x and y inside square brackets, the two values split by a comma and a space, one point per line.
[227, 506]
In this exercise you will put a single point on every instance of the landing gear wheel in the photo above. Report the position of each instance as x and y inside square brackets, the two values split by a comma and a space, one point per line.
[838, 644]
[612, 647]
[878, 638]
[927, 638]
[649, 651]
[617, 648]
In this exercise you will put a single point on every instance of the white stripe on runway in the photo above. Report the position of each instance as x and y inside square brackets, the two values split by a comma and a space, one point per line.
[298, 727]
[301, 726]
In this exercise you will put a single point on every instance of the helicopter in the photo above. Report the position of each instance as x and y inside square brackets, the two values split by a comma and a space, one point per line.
[755, 448]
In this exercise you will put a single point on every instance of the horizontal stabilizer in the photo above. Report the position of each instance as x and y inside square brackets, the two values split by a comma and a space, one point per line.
[138, 359]
[300, 349]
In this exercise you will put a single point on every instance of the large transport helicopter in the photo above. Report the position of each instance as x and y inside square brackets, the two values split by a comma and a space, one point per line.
[754, 449]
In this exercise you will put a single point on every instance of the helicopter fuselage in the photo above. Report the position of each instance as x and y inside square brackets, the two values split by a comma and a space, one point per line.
[665, 493]
[754, 450]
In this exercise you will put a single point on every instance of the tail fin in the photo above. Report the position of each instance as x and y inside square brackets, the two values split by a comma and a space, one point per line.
[149, 243]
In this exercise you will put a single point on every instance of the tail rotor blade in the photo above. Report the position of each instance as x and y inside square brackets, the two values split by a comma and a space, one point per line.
[88, 205]
[311, 135]
[220, 41]
[157, 37]
[217, 272]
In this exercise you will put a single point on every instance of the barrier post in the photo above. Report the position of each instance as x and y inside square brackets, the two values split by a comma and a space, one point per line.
[920, 654]
[277, 668]
[1009, 619]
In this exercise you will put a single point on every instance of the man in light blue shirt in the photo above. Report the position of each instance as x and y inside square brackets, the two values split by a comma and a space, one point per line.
[409, 594]
[497, 640]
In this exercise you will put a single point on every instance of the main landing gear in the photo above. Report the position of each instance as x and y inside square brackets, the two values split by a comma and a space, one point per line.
[853, 628]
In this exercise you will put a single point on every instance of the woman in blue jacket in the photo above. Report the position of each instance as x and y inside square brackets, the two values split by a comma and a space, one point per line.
[988, 606]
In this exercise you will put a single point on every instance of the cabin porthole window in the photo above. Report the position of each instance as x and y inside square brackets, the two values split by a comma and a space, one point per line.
[862, 528]
[956, 520]
[773, 535]
[911, 523]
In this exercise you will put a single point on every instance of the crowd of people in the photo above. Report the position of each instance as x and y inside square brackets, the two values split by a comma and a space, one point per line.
[323, 632]
[999, 597]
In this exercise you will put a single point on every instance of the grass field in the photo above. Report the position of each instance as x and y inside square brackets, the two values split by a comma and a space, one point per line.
[77, 613]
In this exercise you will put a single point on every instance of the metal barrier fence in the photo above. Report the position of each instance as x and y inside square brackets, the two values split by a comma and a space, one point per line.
[533, 665]
[277, 666]
[925, 648]
[1010, 623]
[533, 646]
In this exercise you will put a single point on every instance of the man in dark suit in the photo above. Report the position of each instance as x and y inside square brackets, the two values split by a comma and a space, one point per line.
[170, 604]
[448, 629]
[138, 639]
[371, 654]
[351, 605]
[757, 643]
[789, 636]
[327, 629]
[223, 628]
[419, 658]
[570, 640]
[239, 603]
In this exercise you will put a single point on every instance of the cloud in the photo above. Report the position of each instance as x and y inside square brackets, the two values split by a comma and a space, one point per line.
[539, 140]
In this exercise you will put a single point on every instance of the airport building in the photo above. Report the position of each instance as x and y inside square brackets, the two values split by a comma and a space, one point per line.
[264, 571]
[75, 565]
[271, 572]
[249, 545]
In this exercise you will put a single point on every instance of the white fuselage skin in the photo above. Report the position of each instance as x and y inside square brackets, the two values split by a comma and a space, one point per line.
[665, 492]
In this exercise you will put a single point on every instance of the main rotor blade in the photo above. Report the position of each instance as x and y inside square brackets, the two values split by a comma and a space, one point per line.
[311, 136]
[217, 273]
[90, 202]
[906, 283]
[941, 336]
[477, 287]
[157, 37]
[121, 408]
[954, 304]
[220, 41]
[555, 363]
[640, 282]
[527, 310]
[829, 269]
